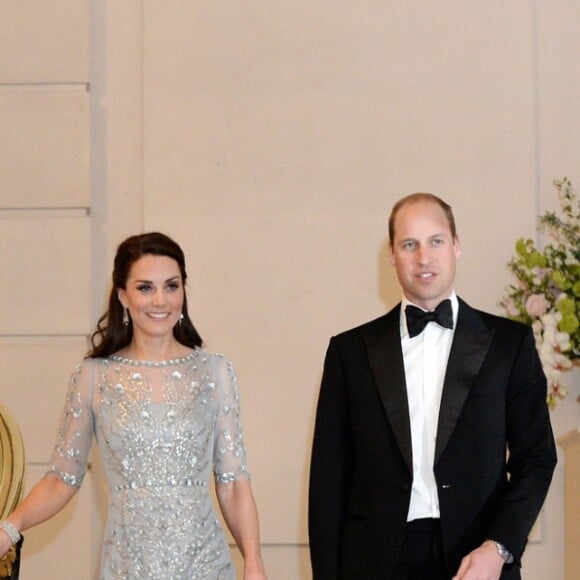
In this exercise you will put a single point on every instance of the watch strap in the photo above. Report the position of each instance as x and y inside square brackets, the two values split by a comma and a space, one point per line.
[504, 553]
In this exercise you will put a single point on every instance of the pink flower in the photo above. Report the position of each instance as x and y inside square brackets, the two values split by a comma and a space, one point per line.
[536, 305]
[510, 306]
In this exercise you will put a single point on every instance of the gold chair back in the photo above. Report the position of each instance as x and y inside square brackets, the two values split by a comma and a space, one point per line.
[12, 468]
[12, 463]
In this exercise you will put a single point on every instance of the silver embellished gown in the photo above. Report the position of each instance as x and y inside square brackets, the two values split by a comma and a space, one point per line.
[162, 428]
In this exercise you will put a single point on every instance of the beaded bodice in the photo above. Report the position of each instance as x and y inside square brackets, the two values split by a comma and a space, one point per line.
[162, 429]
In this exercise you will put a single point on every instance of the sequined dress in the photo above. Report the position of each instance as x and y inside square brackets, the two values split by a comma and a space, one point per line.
[162, 429]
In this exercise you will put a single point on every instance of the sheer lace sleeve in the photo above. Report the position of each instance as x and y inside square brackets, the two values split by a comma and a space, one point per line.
[229, 449]
[70, 454]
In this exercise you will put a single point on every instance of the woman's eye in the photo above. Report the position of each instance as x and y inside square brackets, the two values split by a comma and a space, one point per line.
[172, 287]
[144, 288]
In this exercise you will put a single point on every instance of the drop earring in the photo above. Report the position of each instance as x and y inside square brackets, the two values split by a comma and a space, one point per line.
[125, 317]
[180, 319]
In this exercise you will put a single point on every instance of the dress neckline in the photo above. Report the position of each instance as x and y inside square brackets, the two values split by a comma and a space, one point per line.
[154, 363]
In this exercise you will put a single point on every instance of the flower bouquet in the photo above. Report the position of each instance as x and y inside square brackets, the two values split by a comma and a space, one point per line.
[546, 293]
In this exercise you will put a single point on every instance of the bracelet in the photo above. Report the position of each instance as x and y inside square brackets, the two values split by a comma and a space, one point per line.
[11, 530]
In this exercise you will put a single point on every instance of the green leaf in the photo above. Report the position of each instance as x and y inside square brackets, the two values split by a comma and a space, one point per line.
[522, 246]
[566, 306]
[536, 259]
[561, 281]
[568, 324]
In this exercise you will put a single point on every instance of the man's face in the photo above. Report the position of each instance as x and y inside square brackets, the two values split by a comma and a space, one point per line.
[424, 253]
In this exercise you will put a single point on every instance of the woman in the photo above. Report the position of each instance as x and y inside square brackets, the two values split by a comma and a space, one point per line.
[165, 414]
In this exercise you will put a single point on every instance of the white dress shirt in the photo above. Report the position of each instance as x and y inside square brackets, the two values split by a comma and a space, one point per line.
[425, 358]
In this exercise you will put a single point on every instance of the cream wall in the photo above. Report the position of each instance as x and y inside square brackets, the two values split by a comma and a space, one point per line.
[270, 139]
[45, 241]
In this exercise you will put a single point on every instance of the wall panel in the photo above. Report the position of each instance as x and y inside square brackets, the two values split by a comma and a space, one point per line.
[44, 150]
[558, 93]
[46, 254]
[47, 266]
[44, 41]
[35, 373]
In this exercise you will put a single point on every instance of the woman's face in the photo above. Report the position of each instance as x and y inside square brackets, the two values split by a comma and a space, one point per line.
[153, 295]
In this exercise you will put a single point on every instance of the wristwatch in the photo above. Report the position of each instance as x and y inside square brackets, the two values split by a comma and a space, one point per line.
[504, 553]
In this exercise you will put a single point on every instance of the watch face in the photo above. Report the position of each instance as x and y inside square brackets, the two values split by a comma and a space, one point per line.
[504, 553]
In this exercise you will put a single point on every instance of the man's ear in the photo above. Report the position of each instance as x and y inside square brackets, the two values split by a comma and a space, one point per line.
[457, 247]
[391, 254]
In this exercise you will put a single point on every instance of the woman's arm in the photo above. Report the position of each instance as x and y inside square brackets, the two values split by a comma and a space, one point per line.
[238, 507]
[45, 500]
[69, 459]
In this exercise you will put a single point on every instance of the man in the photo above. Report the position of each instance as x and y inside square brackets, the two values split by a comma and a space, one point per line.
[409, 477]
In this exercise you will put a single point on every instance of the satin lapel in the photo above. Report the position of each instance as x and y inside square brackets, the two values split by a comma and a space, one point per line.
[383, 342]
[470, 345]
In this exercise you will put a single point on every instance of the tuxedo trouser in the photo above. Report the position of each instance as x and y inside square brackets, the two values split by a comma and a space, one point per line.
[421, 556]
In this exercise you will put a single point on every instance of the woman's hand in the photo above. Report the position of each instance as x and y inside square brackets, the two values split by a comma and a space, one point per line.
[5, 543]
[255, 572]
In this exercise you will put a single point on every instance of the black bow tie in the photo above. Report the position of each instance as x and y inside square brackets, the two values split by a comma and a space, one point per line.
[417, 319]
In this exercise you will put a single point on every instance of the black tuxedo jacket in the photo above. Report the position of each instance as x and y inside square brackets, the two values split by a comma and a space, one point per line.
[494, 398]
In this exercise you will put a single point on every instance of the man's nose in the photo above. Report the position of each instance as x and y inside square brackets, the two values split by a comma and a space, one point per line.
[423, 255]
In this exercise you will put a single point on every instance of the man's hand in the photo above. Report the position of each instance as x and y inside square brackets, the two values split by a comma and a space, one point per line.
[484, 563]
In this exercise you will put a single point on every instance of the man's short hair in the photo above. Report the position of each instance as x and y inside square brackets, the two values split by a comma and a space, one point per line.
[415, 197]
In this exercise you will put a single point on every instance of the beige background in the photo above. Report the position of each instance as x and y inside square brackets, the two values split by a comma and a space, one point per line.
[270, 139]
